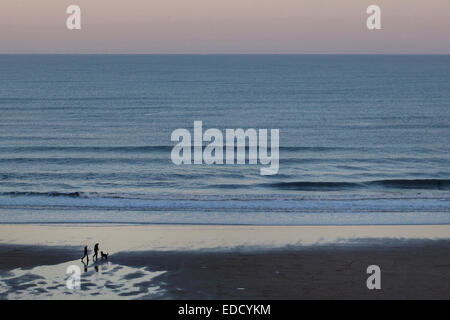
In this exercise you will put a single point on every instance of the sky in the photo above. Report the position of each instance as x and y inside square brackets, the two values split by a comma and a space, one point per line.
[225, 26]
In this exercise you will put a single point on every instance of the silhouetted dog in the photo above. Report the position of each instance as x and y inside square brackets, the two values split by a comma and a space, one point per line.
[104, 255]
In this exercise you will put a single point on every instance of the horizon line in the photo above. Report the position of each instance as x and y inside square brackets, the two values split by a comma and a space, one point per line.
[224, 54]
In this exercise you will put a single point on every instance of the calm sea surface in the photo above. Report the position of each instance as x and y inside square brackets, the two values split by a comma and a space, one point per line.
[363, 139]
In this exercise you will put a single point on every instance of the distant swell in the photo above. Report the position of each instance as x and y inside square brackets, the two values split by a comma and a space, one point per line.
[149, 148]
[86, 149]
[435, 184]
[322, 186]
[45, 194]
[432, 184]
[313, 186]
[74, 195]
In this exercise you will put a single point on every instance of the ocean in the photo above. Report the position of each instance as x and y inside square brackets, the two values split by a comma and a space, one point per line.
[364, 139]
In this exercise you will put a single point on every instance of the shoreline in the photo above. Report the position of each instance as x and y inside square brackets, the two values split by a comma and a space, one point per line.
[118, 237]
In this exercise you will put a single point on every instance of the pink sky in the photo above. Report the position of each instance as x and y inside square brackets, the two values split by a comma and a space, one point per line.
[225, 26]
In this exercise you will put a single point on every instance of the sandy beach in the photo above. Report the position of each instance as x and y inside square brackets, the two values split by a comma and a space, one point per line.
[152, 264]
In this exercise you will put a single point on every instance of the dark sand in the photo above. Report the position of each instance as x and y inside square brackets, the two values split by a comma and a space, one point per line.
[410, 270]
[26, 257]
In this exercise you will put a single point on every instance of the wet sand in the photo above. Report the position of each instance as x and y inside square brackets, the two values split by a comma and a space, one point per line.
[26, 256]
[411, 269]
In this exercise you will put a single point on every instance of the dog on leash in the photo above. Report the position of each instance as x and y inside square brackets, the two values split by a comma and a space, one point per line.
[104, 255]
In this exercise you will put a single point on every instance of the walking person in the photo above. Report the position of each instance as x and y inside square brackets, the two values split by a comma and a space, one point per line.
[95, 252]
[85, 254]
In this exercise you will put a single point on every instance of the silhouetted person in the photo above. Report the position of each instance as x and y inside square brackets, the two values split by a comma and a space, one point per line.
[95, 252]
[85, 254]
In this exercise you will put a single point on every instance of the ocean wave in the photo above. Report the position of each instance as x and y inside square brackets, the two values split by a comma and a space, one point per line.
[315, 186]
[320, 186]
[96, 204]
[240, 203]
[46, 194]
[229, 197]
[13, 149]
[86, 148]
[81, 160]
[433, 184]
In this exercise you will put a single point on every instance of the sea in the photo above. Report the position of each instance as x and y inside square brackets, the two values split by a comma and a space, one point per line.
[363, 139]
